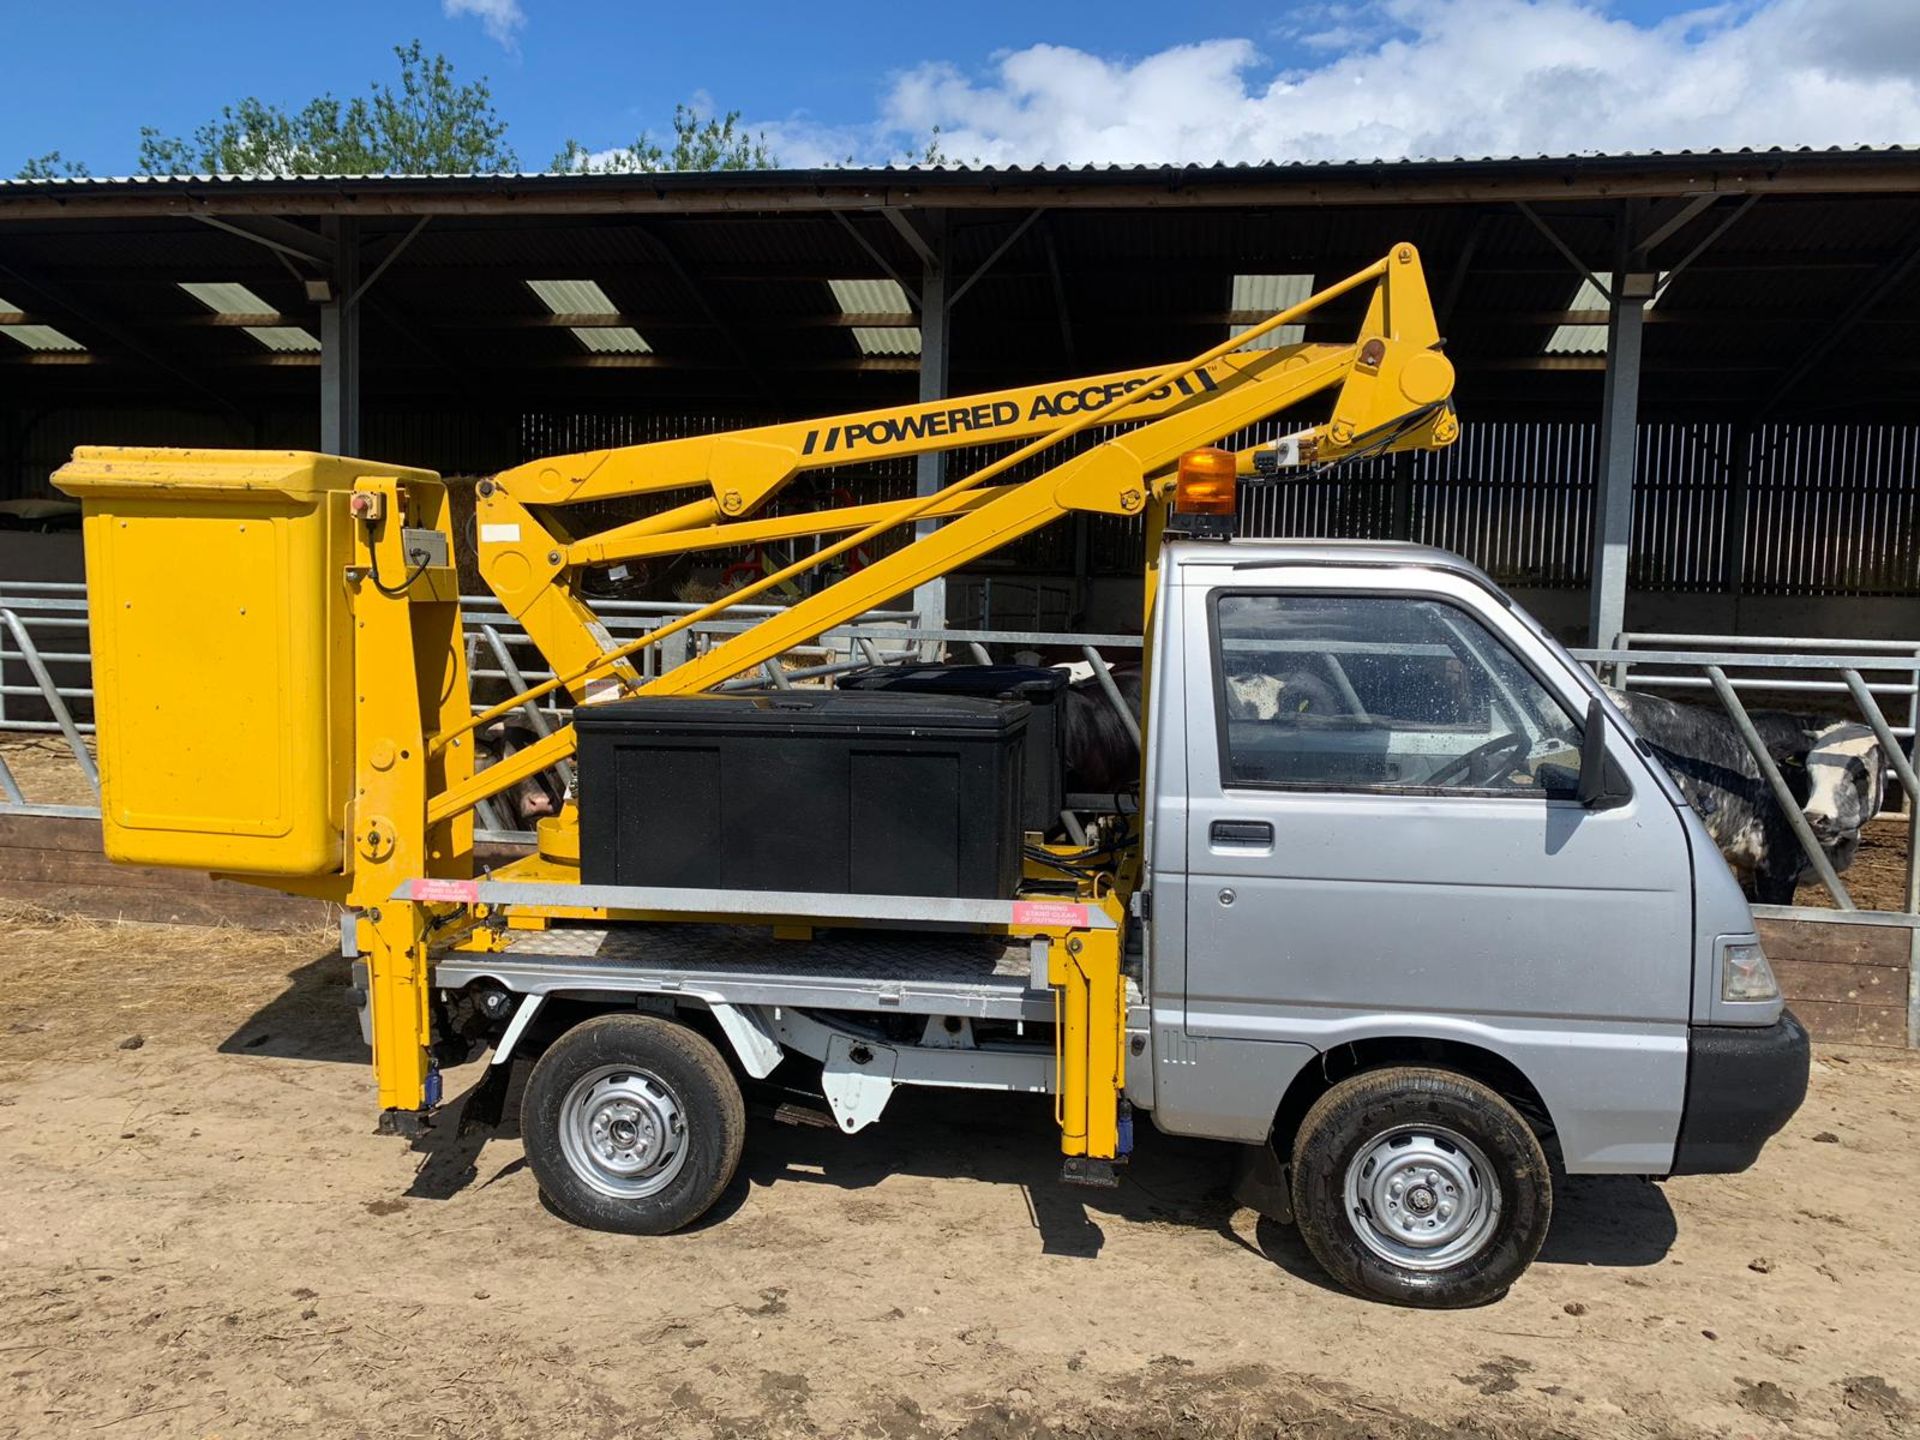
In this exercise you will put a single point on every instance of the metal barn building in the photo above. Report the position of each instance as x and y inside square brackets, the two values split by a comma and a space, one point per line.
[1687, 382]
[1687, 386]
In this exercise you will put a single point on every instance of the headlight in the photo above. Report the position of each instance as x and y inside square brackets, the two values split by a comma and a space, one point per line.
[1745, 973]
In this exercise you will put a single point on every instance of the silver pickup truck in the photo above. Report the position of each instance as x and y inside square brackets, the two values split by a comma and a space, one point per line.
[1419, 925]
[1427, 917]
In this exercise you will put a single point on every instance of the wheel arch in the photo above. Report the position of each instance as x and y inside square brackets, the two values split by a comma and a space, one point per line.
[739, 1031]
[1378, 1052]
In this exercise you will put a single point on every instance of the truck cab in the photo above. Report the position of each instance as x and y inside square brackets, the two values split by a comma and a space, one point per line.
[1424, 918]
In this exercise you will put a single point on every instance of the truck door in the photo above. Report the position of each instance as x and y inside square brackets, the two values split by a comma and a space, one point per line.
[1382, 840]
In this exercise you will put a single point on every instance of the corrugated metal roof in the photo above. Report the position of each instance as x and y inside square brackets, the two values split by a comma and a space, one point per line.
[887, 339]
[776, 178]
[585, 297]
[286, 339]
[1271, 293]
[229, 297]
[877, 297]
[1581, 339]
[869, 297]
[573, 297]
[40, 337]
[28, 335]
[613, 340]
[226, 297]
[1121, 270]
[1590, 339]
[719, 239]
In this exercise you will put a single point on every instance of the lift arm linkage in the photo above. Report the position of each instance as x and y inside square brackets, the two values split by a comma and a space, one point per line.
[1392, 386]
[531, 559]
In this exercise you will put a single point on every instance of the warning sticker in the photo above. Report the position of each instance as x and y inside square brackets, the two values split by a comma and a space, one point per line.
[463, 892]
[1061, 914]
[508, 534]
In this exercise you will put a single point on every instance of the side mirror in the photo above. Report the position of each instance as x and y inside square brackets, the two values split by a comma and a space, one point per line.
[1602, 786]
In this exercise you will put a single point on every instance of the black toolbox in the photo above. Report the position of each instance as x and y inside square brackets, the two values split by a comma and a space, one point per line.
[825, 791]
[1041, 686]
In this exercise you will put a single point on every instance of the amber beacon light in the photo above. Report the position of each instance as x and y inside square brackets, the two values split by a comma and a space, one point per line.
[1206, 484]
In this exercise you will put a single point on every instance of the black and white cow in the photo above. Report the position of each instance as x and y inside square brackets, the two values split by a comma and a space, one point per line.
[1846, 786]
[1836, 774]
[528, 801]
[1100, 756]
[1259, 696]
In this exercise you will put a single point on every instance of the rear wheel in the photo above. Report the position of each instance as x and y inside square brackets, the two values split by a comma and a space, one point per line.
[633, 1123]
[1420, 1186]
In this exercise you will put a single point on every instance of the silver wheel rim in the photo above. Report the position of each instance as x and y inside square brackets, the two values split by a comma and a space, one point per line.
[623, 1131]
[1422, 1197]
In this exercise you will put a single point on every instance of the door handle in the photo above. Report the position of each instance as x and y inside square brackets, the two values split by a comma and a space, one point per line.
[1240, 832]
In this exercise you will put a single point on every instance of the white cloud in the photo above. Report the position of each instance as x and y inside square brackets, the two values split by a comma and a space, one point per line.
[1397, 78]
[499, 18]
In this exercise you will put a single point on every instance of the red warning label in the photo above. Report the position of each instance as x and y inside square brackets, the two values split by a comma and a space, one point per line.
[461, 892]
[1063, 914]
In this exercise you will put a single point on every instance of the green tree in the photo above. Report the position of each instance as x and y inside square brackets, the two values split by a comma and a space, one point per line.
[699, 143]
[430, 124]
[52, 166]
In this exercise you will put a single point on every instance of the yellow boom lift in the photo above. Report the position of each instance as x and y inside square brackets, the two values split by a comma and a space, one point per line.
[282, 691]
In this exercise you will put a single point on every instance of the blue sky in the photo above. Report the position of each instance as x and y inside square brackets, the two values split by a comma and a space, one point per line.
[1009, 81]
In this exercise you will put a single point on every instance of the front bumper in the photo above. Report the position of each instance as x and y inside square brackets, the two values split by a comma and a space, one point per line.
[1743, 1083]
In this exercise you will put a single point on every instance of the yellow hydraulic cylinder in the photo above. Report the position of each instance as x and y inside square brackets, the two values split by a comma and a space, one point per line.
[1083, 966]
[406, 623]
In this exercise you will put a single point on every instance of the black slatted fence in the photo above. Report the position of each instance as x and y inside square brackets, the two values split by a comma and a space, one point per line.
[1780, 510]
[1814, 510]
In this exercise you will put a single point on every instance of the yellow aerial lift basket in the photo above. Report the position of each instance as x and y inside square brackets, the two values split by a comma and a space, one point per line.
[223, 653]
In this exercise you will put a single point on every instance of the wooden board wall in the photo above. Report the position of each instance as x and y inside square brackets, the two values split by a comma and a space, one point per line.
[1846, 982]
[56, 862]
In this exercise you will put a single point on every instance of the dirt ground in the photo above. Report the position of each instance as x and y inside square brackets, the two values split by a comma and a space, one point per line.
[44, 769]
[1877, 879]
[203, 1237]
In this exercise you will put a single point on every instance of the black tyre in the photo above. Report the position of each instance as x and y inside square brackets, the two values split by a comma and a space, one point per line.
[1420, 1187]
[632, 1123]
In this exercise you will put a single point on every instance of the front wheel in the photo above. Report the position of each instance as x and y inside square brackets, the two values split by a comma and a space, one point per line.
[632, 1123]
[1421, 1187]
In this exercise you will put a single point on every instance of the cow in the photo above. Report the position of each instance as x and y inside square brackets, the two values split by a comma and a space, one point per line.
[1836, 774]
[530, 800]
[1846, 785]
[1098, 756]
[1258, 696]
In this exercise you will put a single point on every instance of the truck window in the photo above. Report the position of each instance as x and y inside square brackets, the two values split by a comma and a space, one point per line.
[1373, 692]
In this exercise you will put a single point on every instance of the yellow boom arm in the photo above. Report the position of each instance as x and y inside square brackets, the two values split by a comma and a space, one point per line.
[1391, 387]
